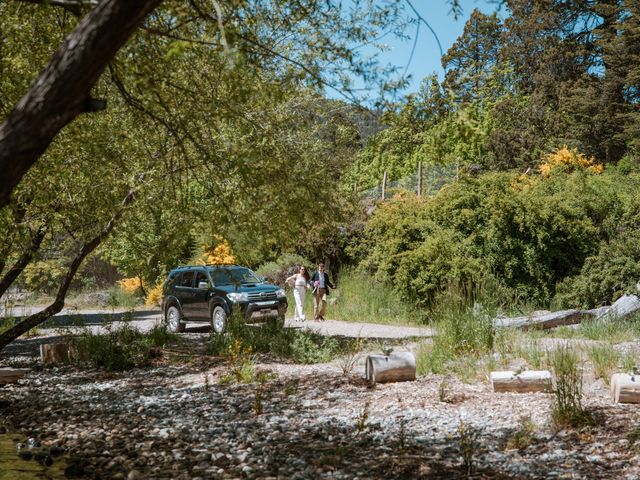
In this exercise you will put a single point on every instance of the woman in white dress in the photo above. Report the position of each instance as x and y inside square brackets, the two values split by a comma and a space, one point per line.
[300, 283]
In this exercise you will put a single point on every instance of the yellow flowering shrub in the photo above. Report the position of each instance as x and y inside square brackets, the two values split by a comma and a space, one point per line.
[217, 254]
[154, 296]
[569, 157]
[131, 285]
[524, 181]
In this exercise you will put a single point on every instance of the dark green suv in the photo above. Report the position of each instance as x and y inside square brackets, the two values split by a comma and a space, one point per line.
[210, 293]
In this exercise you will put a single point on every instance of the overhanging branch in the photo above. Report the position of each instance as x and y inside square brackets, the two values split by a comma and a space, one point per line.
[59, 94]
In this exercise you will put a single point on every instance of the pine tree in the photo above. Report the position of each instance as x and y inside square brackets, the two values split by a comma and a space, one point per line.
[471, 59]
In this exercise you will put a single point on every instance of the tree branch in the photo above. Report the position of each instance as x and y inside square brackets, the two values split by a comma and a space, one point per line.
[64, 3]
[36, 319]
[73, 6]
[60, 92]
[23, 261]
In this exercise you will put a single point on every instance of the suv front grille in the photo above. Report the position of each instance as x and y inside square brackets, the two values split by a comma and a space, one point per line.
[262, 296]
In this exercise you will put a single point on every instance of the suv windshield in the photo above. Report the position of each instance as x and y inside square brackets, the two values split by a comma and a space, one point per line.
[232, 276]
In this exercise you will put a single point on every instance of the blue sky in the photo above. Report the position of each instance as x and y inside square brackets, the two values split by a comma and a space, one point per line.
[426, 58]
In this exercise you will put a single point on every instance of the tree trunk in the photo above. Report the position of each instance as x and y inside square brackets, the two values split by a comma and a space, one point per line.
[36, 319]
[51, 353]
[61, 92]
[623, 307]
[397, 367]
[544, 321]
[625, 388]
[23, 261]
[522, 382]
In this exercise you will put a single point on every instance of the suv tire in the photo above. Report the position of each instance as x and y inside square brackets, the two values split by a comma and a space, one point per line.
[218, 320]
[173, 320]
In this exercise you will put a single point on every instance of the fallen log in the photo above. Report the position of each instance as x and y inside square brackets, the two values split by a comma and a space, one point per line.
[521, 382]
[544, 321]
[626, 305]
[55, 353]
[12, 375]
[623, 307]
[625, 388]
[396, 367]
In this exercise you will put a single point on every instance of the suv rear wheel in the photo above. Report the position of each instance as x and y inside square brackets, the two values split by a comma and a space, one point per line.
[173, 321]
[218, 320]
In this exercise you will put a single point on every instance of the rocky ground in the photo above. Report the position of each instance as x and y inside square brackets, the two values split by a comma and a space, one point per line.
[308, 422]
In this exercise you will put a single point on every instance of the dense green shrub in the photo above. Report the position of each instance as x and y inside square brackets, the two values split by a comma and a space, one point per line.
[527, 232]
[44, 276]
[604, 277]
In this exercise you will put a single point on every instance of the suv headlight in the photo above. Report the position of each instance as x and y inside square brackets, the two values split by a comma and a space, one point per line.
[280, 293]
[238, 297]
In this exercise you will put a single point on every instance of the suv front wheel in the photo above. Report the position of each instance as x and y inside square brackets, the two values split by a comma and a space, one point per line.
[173, 321]
[218, 320]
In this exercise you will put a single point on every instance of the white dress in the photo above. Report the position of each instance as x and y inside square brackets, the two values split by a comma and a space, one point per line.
[299, 291]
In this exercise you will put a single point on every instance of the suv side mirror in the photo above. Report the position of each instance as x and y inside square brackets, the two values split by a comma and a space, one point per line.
[203, 285]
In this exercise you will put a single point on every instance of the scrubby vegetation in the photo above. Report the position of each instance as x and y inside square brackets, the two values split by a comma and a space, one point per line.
[121, 348]
[242, 340]
[565, 239]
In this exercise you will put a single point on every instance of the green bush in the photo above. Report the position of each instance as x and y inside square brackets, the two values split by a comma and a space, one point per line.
[122, 347]
[120, 298]
[527, 233]
[43, 276]
[273, 338]
[606, 276]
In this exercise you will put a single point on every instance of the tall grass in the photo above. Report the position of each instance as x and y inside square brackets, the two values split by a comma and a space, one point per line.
[614, 331]
[462, 331]
[293, 344]
[567, 410]
[361, 298]
[605, 360]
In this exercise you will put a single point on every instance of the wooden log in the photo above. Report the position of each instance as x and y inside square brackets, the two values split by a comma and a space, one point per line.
[12, 375]
[623, 307]
[521, 382]
[625, 388]
[55, 353]
[397, 367]
[544, 321]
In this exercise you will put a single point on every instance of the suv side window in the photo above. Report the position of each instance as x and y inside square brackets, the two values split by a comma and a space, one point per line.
[201, 277]
[173, 280]
[187, 279]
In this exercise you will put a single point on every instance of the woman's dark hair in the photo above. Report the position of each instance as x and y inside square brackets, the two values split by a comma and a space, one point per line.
[306, 273]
